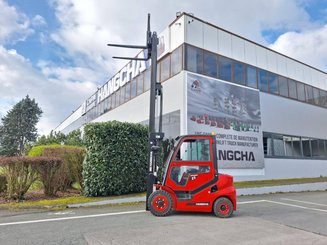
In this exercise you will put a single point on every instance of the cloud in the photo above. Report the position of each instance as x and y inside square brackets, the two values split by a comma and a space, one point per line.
[86, 26]
[14, 26]
[308, 46]
[38, 21]
[57, 96]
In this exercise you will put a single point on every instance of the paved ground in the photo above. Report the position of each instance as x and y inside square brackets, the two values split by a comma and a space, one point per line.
[292, 218]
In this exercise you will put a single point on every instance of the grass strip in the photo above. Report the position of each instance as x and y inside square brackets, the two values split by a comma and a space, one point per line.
[276, 182]
[62, 201]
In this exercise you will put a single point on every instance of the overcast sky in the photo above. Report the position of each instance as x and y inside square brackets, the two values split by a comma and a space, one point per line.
[55, 50]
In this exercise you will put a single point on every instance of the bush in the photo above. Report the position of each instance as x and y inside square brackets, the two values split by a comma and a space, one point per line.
[3, 183]
[48, 171]
[71, 170]
[116, 158]
[21, 172]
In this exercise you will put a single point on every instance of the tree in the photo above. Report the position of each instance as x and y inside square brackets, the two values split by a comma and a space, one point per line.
[19, 127]
[51, 139]
[73, 138]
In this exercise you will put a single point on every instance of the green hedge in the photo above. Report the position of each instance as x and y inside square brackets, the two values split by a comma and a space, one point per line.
[116, 158]
[38, 151]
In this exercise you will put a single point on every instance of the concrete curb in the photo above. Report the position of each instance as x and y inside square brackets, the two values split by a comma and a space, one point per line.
[320, 186]
[108, 202]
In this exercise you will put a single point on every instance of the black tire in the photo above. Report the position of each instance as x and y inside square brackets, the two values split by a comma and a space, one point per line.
[160, 203]
[223, 207]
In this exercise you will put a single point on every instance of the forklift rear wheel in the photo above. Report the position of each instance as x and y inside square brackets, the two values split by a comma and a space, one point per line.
[160, 203]
[223, 207]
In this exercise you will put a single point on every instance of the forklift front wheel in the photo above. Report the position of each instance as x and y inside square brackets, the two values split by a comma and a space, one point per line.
[223, 207]
[160, 203]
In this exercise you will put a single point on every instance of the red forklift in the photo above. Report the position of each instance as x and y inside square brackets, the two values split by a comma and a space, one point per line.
[191, 180]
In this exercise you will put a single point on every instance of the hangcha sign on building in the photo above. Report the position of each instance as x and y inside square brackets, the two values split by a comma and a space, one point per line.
[127, 73]
[130, 71]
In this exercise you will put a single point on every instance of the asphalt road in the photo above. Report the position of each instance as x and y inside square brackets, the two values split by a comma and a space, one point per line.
[296, 218]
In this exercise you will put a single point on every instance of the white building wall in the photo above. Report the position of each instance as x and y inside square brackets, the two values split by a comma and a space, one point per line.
[238, 48]
[290, 117]
[249, 52]
[272, 62]
[69, 120]
[262, 60]
[224, 43]
[177, 33]
[282, 65]
[194, 26]
[210, 38]
[288, 168]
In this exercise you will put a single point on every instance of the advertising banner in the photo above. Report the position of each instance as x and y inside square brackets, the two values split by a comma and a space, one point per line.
[232, 112]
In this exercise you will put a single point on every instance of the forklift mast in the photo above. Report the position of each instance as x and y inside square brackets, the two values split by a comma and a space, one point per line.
[155, 135]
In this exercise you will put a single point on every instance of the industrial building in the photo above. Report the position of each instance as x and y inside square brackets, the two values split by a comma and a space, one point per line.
[269, 111]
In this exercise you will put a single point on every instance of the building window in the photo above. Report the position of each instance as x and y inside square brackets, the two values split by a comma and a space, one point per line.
[210, 65]
[263, 80]
[251, 76]
[239, 73]
[315, 96]
[278, 145]
[225, 69]
[296, 145]
[109, 102]
[122, 94]
[309, 94]
[306, 146]
[118, 99]
[283, 86]
[323, 98]
[165, 69]
[106, 105]
[325, 151]
[318, 148]
[300, 91]
[113, 102]
[273, 83]
[176, 61]
[127, 92]
[267, 144]
[139, 81]
[288, 145]
[292, 89]
[133, 88]
[194, 59]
